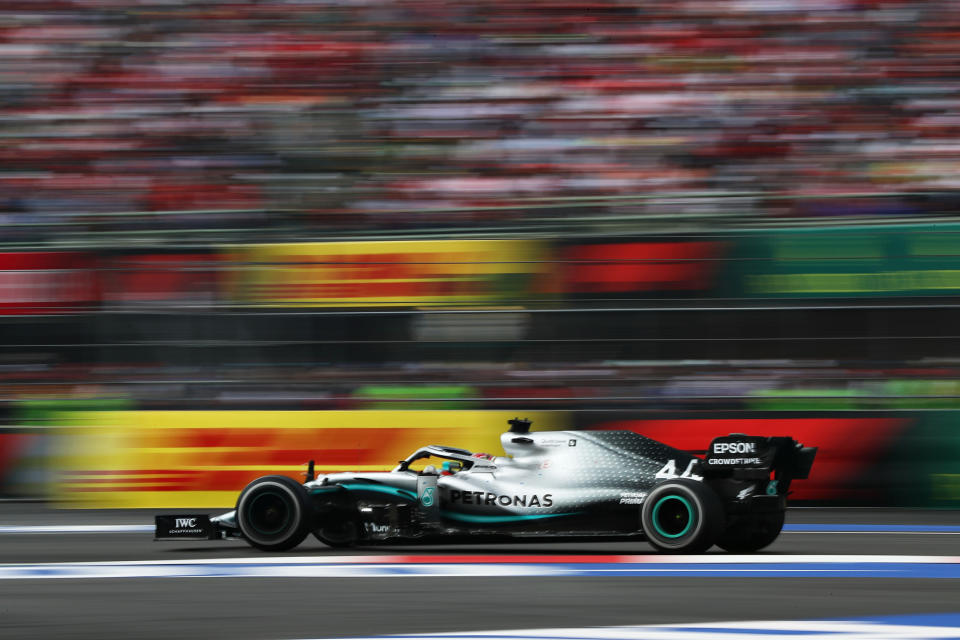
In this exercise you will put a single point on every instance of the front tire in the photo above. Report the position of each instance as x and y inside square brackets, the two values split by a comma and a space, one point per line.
[682, 516]
[752, 532]
[273, 513]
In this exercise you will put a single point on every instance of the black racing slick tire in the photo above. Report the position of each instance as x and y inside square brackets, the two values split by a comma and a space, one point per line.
[274, 513]
[682, 516]
[751, 532]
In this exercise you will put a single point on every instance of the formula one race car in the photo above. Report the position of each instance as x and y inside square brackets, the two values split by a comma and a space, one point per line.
[551, 484]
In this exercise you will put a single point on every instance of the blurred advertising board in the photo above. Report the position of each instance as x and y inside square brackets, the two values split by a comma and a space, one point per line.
[433, 396]
[387, 273]
[24, 468]
[202, 459]
[894, 393]
[869, 261]
[149, 279]
[931, 452]
[47, 282]
[29, 441]
[611, 268]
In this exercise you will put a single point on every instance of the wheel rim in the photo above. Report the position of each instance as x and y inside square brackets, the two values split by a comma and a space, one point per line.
[672, 516]
[268, 513]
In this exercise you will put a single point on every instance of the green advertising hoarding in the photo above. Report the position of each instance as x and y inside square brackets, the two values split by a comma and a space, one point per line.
[868, 261]
[923, 467]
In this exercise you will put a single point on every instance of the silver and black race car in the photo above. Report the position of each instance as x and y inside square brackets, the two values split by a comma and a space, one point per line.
[550, 484]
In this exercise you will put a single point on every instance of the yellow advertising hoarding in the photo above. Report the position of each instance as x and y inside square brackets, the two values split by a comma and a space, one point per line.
[202, 459]
[387, 273]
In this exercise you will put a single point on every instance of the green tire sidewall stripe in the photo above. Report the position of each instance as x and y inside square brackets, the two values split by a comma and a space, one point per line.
[656, 510]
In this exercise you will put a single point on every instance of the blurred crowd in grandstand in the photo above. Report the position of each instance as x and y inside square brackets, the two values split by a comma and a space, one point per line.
[299, 118]
[128, 123]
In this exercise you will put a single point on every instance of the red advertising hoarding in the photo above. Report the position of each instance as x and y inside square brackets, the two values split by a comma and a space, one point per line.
[47, 282]
[159, 278]
[630, 267]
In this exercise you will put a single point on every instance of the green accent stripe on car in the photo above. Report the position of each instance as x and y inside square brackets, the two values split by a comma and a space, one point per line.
[381, 488]
[480, 519]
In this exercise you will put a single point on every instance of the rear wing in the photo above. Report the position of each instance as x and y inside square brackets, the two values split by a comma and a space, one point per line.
[756, 457]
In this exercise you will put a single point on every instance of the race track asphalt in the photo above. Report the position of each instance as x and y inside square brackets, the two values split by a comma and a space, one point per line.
[287, 608]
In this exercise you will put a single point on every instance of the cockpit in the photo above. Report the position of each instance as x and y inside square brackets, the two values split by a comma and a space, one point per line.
[451, 461]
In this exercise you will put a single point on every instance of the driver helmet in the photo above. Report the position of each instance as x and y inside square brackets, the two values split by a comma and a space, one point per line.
[449, 467]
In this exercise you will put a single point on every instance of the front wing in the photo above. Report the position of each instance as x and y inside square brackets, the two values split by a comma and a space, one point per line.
[186, 527]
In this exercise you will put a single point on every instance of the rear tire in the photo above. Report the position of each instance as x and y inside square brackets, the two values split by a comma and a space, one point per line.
[682, 516]
[752, 532]
[274, 513]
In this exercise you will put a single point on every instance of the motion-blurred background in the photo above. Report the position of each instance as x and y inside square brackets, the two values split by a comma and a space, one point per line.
[236, 235]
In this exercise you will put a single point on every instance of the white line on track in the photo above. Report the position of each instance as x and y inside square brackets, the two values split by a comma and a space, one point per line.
[481, 566]
[78, 528]
[886, 628]
[719, 558]
[874, 533]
